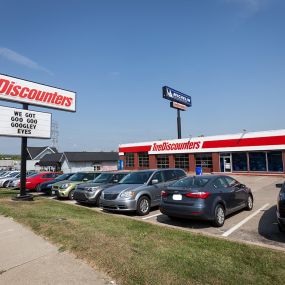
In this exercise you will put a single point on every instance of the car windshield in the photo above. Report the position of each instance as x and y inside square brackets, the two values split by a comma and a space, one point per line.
[102, 178]
[32, 175]
[63, 176]
[189, 182]
[13, 174]
[136, 177]
[77, 177]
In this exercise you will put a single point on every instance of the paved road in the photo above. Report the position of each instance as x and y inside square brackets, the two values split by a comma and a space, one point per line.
[27, 259]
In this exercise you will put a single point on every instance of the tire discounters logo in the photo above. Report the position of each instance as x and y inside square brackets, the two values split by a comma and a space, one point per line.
[26, 92]
[186, 146]
[24, 123]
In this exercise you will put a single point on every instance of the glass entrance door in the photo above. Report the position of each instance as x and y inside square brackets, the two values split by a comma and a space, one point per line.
[226, 162]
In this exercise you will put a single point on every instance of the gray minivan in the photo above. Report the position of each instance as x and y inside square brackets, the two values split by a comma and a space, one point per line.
[139, 190]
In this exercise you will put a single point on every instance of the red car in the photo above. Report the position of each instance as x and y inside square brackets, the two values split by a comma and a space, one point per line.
[33, 182]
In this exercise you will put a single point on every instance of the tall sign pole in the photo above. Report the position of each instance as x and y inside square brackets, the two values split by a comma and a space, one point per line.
[26, 124]
[179, 101]
[178, 124]
[24, 145]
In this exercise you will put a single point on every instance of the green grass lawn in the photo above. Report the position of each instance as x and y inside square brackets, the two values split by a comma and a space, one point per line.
[4, 193]
[134, 252]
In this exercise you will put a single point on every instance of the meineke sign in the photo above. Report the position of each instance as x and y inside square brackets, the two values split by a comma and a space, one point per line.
[24, 123]
[27, 92]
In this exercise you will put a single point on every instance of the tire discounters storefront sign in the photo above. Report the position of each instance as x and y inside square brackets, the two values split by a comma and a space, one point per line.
[24, 123]
[27, 92]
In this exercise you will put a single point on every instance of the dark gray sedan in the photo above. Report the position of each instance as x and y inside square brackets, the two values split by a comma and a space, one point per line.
[89, 193]
[207, 197]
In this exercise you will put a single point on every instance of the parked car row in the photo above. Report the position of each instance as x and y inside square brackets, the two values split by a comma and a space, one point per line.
[209, 197]
[205, 197]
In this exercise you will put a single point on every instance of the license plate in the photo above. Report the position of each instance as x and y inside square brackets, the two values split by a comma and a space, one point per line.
[177, 197]
[52, 192]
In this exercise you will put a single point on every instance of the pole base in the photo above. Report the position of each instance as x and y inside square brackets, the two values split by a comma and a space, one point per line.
[27, 197]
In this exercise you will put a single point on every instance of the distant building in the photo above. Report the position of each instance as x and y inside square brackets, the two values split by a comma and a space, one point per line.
[9, 164]
[51, 162]
[35, 154]
[80, 161]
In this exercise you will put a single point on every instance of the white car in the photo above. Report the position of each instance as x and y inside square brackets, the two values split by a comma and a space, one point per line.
[4, 180]
[13, 183]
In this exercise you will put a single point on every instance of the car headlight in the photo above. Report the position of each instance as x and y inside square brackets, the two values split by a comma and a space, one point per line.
[64, 186]
[92, 189]
[128, 194]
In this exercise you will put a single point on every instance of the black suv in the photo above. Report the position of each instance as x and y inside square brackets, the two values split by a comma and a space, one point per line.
[280, 211]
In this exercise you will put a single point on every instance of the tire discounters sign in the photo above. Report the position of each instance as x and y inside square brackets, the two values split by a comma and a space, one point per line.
[27, 92]
[24, 123]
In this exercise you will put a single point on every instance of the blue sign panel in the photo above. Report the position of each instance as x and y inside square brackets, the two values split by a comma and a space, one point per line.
[176, 96]
[120, 164]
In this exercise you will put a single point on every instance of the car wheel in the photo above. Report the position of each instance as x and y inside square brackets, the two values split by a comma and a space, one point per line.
[219, 216]
[97, 202]
[38, 188]
[143, 206]
[71, 194]
[5, 184]
[281, 229]
[249, 203]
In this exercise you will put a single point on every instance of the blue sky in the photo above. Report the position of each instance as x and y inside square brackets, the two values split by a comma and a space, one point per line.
[229, 55]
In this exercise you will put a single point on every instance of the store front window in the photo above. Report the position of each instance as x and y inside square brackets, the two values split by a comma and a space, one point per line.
[275, 162]
[257, 161]
[143, 159]
[205, 161]
[239, 161]
[130, 159]
[162, 161]
[182, 161]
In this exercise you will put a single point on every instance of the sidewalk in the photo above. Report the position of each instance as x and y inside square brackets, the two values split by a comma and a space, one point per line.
[26, 258]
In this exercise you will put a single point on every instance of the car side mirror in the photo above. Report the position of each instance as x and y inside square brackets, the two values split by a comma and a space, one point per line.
[279, 185]
[154, 181]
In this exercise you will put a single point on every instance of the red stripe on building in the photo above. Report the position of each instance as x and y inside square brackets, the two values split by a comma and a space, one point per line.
[262, 141]
[144, 148]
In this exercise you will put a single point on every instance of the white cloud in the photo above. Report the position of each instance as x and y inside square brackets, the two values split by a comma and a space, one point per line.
[20, 59]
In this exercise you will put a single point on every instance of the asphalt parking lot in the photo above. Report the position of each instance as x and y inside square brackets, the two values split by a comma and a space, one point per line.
[257, 226]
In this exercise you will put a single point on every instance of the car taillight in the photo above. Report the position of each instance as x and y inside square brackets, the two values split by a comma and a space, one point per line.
[163, 194]
[198, 195]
